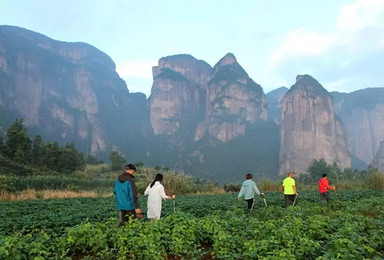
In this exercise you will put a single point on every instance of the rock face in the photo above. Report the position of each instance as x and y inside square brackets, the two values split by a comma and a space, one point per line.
[362, 113]
[178, 94]
[378, 160]
[309, 129]
[274, 103]
[68, 91]
[233, 101]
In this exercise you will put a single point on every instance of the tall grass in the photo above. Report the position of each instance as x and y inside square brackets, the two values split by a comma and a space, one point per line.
[15, 183]
[48, 194]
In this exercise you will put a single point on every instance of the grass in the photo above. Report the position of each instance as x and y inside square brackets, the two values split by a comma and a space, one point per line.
[31, 194]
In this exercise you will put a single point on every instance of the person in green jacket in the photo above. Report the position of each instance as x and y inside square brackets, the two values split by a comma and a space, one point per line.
[248, 189]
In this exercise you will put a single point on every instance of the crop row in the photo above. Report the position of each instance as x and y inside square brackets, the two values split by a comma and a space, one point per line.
[308, 231]
[202, 227]
[54, 215]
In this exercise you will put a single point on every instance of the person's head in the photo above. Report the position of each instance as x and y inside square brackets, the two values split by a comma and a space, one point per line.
[130, 168]
[324, 175]
[158, 177]
[290, 174]
[248, 176]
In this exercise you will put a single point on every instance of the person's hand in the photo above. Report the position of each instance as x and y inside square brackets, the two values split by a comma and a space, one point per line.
[238, 199]
[139, 214]
[173, 197]
[262, 194]
[297, 194]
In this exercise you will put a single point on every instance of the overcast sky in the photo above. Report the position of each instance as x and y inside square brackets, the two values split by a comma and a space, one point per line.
[338, 42]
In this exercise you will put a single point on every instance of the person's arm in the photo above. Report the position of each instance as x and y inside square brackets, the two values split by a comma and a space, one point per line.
[256, 189]
[162, 192]
[146, 192]
[240, 193]
[134, 194]
[328, 186]
[294, 187]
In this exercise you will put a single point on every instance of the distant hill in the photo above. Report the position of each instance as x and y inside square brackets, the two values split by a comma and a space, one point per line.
[213, 122]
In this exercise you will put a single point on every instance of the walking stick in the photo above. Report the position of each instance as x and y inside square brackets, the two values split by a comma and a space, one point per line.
[294, 202]
[265, 201]
[174, 203]
[253, 203]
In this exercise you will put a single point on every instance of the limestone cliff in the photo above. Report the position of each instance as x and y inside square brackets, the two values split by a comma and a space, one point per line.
[309, 129]
[67, 91]
[362, 113]
[378, 160]
[178, 94]
[233, 101]
[274, 98]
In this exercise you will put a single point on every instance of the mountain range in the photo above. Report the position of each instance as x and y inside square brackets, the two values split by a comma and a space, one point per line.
[211, 122]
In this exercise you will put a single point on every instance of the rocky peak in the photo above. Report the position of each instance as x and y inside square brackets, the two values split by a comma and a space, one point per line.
[309, 85]
[195, 71]
[233, 101]
[70, 91]
[362, 113]
[74, 52]
[309, 129]
[228, 59]
[178, 94]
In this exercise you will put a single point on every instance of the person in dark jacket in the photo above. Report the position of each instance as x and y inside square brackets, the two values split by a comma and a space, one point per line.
[126, 195]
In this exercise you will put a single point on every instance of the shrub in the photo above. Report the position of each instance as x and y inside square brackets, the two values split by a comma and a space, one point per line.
[374, 181]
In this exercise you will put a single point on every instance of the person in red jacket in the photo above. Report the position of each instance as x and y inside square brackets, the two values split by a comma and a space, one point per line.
[324, 187]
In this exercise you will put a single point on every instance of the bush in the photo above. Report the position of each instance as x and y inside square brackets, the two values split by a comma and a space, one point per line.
[374, 181]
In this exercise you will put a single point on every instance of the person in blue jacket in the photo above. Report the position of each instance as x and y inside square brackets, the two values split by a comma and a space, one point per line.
[248, 189]
[126, 195]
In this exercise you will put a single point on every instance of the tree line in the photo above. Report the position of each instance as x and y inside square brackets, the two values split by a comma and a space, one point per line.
[20, 155]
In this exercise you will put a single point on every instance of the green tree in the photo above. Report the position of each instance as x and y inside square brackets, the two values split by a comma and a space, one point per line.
[2, 146]
[117, 160]
[316, 169]
[37, 151]
[93, 160]
[51, 156]
[18, 144]
[70, 159]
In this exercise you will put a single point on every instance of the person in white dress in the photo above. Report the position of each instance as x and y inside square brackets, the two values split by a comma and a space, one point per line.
[156, 194]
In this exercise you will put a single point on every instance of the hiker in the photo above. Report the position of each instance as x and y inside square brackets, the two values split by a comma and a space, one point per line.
[324, 187]
[126, 195]
[156, 194]
[248, 189]
[290, 191]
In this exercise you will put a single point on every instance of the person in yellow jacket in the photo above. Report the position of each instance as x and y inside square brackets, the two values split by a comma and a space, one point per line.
[290, 190]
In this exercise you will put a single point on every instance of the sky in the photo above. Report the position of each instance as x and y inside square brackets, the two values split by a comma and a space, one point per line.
[338, 42]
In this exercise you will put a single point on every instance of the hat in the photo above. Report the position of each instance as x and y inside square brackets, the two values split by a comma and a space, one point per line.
[130, 167]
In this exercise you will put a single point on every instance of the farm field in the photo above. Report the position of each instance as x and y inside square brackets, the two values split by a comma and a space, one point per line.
[201, 227]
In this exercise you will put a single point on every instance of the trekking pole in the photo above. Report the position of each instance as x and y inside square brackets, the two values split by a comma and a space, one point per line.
[294, 202]
[174, 203]
[253, 203]
[265, 201]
